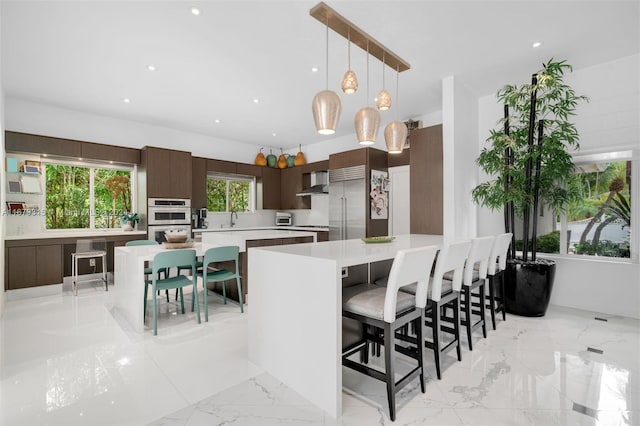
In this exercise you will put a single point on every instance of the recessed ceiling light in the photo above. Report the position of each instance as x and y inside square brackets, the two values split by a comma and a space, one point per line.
[151, 67]
[195, 11]
[256, 100]
[537, 44]
[273, 134]
[314, 69]
[126, 100]
[217, 121]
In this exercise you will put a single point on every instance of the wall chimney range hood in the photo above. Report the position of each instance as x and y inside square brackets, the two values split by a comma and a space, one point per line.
[319, 182]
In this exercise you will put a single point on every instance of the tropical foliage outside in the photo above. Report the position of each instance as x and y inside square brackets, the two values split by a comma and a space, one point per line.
[228, 195]
[68, 201]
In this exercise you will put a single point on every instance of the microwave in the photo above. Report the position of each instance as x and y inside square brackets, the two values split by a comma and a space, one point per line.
[284, 219]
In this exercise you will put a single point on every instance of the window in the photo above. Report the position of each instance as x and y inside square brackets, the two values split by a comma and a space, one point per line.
[230, 193]
[80, 196]
[599, 223]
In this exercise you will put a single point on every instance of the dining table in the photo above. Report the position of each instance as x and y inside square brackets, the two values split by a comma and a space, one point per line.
[129, 279]
[295, 317]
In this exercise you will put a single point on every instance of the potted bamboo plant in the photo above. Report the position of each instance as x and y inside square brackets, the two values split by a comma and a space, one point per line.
[529, 161]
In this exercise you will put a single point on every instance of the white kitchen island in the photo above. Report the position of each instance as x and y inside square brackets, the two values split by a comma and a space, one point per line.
[295, 317]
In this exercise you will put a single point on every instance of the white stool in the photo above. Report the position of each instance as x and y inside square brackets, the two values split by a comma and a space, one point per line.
[89, 249]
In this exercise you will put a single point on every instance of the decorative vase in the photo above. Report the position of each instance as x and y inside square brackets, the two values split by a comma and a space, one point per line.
[128, 225]
[528, 286]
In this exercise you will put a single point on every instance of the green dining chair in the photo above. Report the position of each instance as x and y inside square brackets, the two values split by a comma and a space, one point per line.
[166, 260]
[211, 275]
[147, 269]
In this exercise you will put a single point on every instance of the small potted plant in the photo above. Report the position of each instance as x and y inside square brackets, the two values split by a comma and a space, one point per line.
[129, 221]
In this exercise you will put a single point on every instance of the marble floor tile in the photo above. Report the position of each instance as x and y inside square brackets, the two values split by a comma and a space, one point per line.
[66, 360]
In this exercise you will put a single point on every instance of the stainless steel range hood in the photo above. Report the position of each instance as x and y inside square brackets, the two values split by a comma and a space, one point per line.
[319, 182]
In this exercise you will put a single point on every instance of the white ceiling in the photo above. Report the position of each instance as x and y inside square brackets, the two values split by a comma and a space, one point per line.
[90, 55]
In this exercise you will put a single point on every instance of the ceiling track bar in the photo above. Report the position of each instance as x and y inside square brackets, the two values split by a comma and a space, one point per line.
[347, 29]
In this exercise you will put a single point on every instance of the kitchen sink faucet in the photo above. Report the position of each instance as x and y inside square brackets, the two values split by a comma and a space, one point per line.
[233, 222]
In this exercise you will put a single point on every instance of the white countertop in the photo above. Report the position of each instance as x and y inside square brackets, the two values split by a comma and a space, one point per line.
[356, 252]
[255, 228]
[240, 237]
[73, 233]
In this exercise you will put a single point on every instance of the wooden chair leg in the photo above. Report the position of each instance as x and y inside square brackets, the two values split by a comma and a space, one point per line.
[492, 301]
[364, 354]
[389, 352]
[456, 325]
[467, 313]
[224, 291]
[435, 329]
[482, 313]
[504, 310]
[181, 299]
[418, 325]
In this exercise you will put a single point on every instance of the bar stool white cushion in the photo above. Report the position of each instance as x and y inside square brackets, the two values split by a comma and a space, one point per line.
[449, 275]
[368, 300]
[447, 286]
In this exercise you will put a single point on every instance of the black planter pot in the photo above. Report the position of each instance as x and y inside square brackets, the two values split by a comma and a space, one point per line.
[528, 286]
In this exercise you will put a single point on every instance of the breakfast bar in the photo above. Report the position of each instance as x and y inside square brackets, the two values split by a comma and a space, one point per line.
[129, 279]
[295, 318]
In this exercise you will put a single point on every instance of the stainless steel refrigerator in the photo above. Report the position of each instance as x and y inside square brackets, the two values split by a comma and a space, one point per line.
[347, 203]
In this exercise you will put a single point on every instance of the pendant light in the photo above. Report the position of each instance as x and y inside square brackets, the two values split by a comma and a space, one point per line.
[383, 101]
[395, 134]
[349, 81]
[326, 105]
[367, 119]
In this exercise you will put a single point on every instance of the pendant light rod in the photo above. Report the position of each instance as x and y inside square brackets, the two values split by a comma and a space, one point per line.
[341, 25]
[326, 44]
[349, 50]
[397, 91]
[383, 64]
[367, 74]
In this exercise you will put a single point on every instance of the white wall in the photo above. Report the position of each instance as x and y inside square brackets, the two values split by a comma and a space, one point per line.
[610, 121]
[460, 135]
[2, 188]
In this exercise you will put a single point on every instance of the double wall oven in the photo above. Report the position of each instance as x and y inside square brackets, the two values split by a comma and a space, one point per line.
[165, 214]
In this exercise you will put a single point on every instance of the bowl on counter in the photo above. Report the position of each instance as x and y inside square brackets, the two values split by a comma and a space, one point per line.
[177, 236]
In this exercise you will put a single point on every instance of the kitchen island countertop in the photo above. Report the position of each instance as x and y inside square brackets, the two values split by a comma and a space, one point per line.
[312, 228]
[239, 237]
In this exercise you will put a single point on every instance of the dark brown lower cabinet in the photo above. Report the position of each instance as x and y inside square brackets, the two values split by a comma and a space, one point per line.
[33, 263]
[33, 266]
[231, 289]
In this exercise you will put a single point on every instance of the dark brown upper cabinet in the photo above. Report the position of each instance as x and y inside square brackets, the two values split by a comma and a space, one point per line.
[249, 170]
[340, 160]
[199, 182]
[117, 154]
[169, 172]
[426, 181]
[36, 144]
[270, 188]
[220, 166]
[291, 182]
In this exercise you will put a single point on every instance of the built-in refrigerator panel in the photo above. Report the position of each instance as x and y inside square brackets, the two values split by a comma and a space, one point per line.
[347, 203]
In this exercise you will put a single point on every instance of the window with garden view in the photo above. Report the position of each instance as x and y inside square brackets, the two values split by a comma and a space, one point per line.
[230, 194]
[86, 197]
[599, 222]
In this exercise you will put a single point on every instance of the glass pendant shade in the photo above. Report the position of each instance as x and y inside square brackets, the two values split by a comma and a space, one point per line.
[383, 101]
[395, 136]
[326, 107]
[367, 121]
[349, 82]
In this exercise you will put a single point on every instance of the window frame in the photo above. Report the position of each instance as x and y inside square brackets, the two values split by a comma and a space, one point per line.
[233, 177]
[608, 156]
[133, 178]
